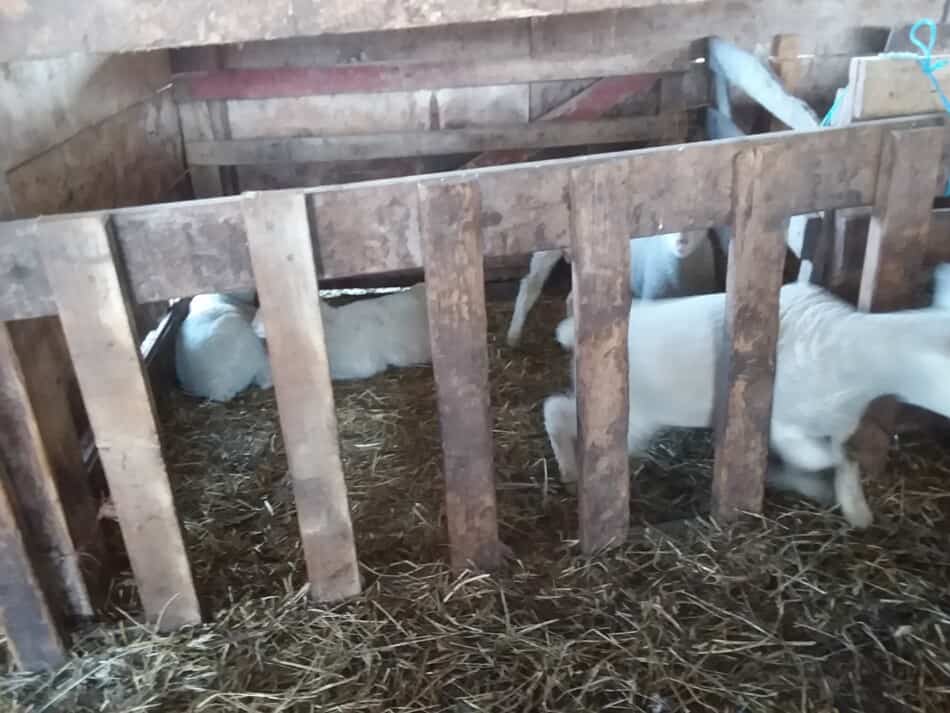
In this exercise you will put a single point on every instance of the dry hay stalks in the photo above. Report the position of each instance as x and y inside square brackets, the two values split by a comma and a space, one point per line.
[786, 612]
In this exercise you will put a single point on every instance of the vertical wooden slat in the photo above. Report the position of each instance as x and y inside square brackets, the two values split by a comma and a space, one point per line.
[893, 260]
[601, 287]
[283, 261]
[31, 465]
[94, 308]
[788, 68]
[32, 632]
[747, 366]
[449, 217]
[900, 221]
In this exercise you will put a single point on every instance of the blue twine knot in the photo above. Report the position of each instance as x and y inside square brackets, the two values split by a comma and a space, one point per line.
[925, 60]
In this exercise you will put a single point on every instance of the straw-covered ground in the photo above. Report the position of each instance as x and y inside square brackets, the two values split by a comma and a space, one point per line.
[789, 612]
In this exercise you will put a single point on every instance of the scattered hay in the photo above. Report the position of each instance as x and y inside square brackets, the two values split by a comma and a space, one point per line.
[788, 612]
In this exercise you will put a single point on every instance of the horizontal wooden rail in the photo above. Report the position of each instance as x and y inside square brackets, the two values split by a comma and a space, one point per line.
[179, 249]
[269, 83]
[403, 144]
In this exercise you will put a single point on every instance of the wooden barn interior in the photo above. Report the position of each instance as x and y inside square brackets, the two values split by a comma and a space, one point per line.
[404, 542]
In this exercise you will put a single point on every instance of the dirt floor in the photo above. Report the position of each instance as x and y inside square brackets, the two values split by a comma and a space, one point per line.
[788, 612]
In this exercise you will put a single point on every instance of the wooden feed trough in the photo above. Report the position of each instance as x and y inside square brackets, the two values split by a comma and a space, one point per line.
[94, 269]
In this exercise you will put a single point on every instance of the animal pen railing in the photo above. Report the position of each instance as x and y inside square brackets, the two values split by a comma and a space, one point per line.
[89, 268]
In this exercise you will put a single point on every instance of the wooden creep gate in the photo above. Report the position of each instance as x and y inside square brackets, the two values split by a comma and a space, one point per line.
[90, 268]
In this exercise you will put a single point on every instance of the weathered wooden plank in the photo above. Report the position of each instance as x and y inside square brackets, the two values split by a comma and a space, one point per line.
[284, 268]
[747, 368]
[458, 328]
[787, 67]
[93, 306]
[591, 103]
[40, 450]
[601, 289]
[900, 221]
[32, 632]
[427, 143]
[38, 30]
[130, 158]
[893, 86]
[174, 250]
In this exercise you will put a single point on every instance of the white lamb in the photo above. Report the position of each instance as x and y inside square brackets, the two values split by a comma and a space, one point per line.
[667, 265]
[217, 354]
[832, 361]
[366, 337]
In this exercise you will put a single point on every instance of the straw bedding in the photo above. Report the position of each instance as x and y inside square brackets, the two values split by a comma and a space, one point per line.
[787, 612]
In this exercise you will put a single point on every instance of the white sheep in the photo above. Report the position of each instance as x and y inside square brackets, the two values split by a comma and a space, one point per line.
[366, 337]
[217, 354]
[667, 265]
[832, 361]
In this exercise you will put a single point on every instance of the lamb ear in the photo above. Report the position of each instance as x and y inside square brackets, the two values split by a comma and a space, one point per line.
[258, 325]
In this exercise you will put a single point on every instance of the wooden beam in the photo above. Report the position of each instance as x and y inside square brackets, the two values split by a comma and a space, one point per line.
[37, 30]
[180, 249]
[40, 451]
[282, 255]
[891, 86]
[900, 222]
[31, 630]
[601, 289]
[94, 309]
[747, 368]
[362, 147]
[449, 217]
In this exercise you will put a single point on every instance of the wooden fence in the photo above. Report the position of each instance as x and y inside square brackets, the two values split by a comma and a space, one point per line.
[91, 268]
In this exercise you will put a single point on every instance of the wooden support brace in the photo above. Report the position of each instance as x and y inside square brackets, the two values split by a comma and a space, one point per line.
[449, 220]
[747, 366]
[282, 257]
[896, 252]
[601, 288]
[94, 308]
[31, 630]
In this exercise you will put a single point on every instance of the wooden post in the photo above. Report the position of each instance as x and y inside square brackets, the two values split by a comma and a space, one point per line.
[94, 307]
[744, 398]
[449, 220]
[601, 287]
[282, 257]
[788, 68]
[25, 616]
[893, 259]
[40, 451]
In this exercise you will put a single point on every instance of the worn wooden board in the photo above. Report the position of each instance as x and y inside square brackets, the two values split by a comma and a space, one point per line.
[900, 222]
[37, 29]
[39, 447]
[601, 293]
[429, 143]
[43, 103]
[282, 255]
[176, 250]
[888, 86]
[31, 630]
[449, 215]
[131, 158]
[93, 305]
[747, 368]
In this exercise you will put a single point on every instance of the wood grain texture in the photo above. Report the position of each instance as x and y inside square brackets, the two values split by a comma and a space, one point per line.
[458, 328]
[284, 268]
[888, 86]
[428, 143]
[93, 305]
[601, 288]
[900, 221]
[747, 368]
[180, 249]
[40, 451]
[37, 29]
[31, 630]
